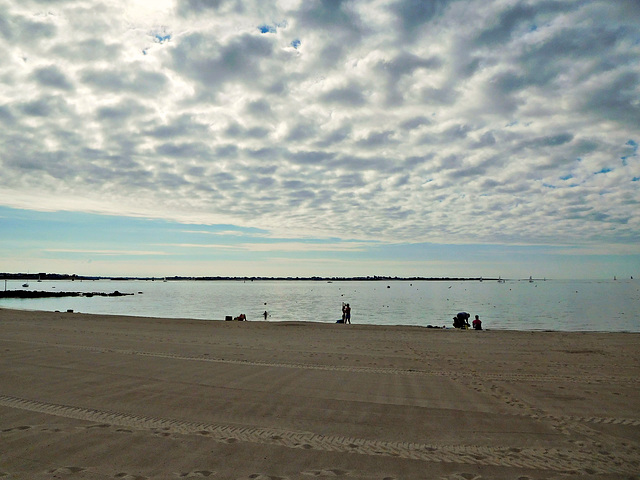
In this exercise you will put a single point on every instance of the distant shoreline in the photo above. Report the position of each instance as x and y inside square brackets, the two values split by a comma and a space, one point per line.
[374, 278]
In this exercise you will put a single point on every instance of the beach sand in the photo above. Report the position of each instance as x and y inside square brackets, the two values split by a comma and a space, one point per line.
[108, 397]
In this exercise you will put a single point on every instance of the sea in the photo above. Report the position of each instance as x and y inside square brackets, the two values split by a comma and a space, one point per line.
[541, 304]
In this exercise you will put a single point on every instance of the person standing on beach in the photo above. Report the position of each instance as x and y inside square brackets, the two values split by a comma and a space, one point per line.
[347, 314]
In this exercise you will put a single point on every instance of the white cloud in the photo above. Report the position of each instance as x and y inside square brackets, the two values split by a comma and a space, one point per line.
[106, 252]
[290, 247]
[391, 120]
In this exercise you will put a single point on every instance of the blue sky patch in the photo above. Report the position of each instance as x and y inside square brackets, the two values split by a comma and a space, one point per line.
[264, 28]
[634, 152]
[604, 170]
[158, 38]
[295, 43]
[566, 177]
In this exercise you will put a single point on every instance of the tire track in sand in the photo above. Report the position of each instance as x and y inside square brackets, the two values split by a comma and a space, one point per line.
[566, 424]
[498, 392]
[549, 459]
[336, 368]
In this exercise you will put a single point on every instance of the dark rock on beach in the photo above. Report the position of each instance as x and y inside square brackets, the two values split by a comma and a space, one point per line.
[41, 294]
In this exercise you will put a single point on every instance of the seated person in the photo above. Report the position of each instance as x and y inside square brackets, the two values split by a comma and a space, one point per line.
[477, 324]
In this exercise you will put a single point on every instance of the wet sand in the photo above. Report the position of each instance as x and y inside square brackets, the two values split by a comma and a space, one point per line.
[101, 397]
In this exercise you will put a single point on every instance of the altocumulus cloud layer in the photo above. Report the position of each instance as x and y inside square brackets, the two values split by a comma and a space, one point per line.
[395, 120]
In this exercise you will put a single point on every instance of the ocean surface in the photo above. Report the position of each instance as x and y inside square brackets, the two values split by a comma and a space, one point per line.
[560, 305]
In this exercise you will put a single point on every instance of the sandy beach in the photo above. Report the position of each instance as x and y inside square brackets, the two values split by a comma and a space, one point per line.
[109, 397]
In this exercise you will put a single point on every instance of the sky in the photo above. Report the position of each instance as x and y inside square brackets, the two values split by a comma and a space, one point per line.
[320, 137]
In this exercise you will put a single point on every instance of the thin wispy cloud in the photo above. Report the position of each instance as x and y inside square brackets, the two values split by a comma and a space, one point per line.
[291, 247]
[117, 253]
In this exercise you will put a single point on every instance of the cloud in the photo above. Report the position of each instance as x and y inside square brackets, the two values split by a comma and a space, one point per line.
[290, 247]
[394, 120]
[351, 96]
[134, 253]
[330, 15]
[87, 50]
[124, 81]
[25, 29]
[413, 15]
[213, 64]
[520, 15]
[52, 77]
[199, 7]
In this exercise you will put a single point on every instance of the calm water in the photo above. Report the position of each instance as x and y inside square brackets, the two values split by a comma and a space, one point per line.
[565, 305]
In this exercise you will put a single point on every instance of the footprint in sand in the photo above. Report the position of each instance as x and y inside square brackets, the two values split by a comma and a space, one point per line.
[99, 425]
[52, 429]
[21, 427]
[67, 470]
[129, 476]
[462, 476]
[262, 476]
[332, 472]
[196, 474]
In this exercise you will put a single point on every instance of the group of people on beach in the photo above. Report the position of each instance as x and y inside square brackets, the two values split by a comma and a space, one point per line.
[461, 320]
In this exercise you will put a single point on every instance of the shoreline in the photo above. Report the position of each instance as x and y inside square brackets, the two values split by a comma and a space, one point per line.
[102, 396]
[315, 322]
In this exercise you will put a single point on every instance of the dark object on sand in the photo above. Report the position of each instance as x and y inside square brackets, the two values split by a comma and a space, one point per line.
[461, 320]
[41, 294]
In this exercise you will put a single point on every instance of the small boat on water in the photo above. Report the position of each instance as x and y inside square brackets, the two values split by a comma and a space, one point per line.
[25, 285]
[530, 279]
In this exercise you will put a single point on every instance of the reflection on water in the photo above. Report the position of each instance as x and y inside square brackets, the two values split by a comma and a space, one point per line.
[564, 305]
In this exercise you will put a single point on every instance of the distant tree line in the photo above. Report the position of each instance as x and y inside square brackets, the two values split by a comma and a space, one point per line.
[374, 278]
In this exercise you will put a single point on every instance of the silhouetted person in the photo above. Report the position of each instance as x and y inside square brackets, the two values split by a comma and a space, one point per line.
[461, 320]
